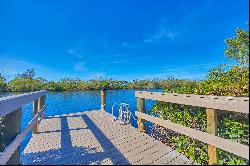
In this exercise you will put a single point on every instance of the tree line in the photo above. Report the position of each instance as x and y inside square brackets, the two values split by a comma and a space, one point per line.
[28, 82]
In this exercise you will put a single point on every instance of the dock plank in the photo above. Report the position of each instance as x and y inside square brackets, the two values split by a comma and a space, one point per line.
[93, 138]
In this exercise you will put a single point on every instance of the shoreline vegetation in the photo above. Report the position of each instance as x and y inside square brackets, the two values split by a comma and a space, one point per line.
[27, 82]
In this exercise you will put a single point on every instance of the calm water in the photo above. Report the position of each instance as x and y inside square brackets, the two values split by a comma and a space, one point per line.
[66, 102]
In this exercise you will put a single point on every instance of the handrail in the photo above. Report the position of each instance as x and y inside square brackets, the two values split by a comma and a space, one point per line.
[11, 103]
[229, 103]
[230, 146]
[10, 149]
[213, 104]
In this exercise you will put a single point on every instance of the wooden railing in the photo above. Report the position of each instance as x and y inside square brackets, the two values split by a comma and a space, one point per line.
[212, 105]
[10, 109]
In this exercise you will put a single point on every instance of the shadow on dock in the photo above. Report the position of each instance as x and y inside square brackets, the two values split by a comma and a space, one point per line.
[71, 154]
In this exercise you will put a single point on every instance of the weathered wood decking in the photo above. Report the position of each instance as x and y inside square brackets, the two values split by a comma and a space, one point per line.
[95, 138]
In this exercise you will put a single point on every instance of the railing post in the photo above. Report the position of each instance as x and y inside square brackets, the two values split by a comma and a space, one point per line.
[212, 129]
[43, 104]
[141, 108]
[12, 126]
[37, 106]
[103, 100]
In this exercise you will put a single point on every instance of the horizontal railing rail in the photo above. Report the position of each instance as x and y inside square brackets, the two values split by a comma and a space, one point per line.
[230, 146]
[13, 104]
[235, 104]
[212, 104]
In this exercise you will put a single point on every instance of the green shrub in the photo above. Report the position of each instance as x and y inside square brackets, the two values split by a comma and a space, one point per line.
[223, 80]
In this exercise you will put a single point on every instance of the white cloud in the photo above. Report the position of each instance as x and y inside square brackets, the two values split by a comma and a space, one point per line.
[128, 45]
[117, 55]
[79, 66]
[11, 67]
[94, 75]
[124, 44]
[196, 71]
[181, 75]
[164, 32]
[161, 35]
[120, 61]
[74, 53]
[168, 31]
[187, 68]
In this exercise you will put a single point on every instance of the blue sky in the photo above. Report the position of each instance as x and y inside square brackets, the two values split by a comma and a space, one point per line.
[119, 39]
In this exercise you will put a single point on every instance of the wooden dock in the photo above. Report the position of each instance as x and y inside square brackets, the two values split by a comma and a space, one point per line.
[95, 138]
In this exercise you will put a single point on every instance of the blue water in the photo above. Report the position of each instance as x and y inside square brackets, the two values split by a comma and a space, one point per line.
[58, 103]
